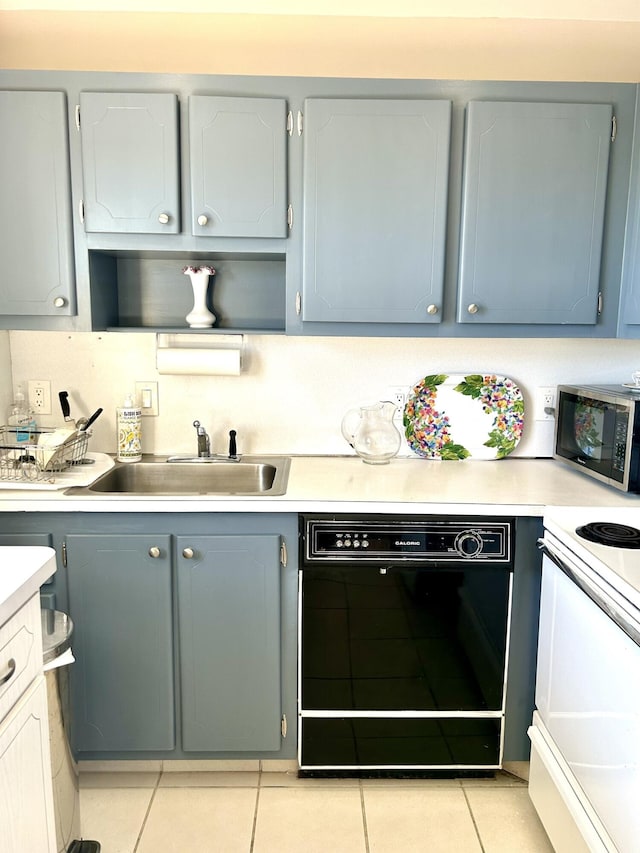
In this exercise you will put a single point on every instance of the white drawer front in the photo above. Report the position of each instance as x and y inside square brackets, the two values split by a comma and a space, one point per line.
[20, 653]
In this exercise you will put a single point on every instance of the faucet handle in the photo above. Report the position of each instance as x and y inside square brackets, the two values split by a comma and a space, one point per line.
[201, 430]
[233, 450]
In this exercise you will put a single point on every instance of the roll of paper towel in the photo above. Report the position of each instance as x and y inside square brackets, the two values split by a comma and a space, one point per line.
[199, 362]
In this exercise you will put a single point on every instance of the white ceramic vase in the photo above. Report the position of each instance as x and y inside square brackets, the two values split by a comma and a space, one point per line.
[200, 317]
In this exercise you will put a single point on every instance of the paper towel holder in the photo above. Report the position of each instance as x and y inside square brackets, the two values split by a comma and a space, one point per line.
[218, 351]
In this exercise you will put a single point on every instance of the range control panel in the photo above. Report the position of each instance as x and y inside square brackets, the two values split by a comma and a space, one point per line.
[437, 539]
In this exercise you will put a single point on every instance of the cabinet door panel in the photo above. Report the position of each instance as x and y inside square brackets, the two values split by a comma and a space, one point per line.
[238, 166]
[229, 617]
[375, 200]
[533, 202]
[122, 681]
[35, 205]
[27, 820]
[130, 162]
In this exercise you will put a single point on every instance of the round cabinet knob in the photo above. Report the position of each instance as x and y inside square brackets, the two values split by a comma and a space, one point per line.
[163, 219]
[202, 219]
[59, 302]
[154, 552]
[473, 308]
[187, 553]
[432, 309]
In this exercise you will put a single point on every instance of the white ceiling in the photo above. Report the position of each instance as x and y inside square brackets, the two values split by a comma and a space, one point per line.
[587, 10]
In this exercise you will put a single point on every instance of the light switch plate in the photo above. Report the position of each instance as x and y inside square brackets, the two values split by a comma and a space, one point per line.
[147, 397]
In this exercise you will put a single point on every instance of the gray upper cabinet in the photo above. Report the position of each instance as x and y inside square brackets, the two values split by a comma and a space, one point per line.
[375, 207]
[629, 310]
[130, 162]
[229, 631]
[35, 206]
[533, 202]
[238, 166]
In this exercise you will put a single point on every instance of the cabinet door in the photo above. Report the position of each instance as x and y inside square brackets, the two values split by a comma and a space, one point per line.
[35, 205]
[238, 166]
[229, 630]
[26, 798]
[375, 202]
[121, 605]
[534, 190]
[130, 162]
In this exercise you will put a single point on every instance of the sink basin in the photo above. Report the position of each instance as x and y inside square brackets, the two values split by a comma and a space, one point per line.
[253, 475]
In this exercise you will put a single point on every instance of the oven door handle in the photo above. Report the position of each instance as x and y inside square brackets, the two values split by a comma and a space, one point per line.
[598, 599]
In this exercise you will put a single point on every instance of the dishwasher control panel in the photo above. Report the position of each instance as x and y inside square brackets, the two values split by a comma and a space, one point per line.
[401, 539]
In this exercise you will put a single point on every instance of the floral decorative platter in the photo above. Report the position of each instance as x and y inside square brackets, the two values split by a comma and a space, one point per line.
[479, 416]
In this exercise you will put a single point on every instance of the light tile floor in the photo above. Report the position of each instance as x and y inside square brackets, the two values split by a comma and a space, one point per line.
[256, 811]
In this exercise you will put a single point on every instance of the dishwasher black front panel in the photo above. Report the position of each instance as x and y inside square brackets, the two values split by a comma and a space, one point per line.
[402, 662]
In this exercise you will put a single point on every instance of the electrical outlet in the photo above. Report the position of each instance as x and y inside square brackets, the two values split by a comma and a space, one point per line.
[40, 396]
[545, 403]
[398, 395]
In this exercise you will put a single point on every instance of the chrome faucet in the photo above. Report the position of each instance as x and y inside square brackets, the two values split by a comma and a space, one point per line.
[204, 443]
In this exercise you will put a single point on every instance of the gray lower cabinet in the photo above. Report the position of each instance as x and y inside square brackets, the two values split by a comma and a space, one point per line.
[36, 243]
[130, 162]
[375, 184]
[229, 638]
[122, 684]
[533, 202]
[185, 630]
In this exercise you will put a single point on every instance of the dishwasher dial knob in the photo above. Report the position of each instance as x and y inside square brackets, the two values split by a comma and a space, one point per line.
[468, 544]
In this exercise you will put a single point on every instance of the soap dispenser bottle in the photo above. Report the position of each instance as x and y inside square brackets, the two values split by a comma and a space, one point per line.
[129, 425]
[20, 417]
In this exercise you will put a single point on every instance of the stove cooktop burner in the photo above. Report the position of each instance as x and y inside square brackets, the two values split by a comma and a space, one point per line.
[610, 533]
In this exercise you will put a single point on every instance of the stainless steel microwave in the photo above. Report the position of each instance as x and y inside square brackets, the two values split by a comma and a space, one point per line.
[598, 432]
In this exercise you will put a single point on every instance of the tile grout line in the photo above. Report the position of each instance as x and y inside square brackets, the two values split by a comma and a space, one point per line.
[146, 814]
[364, 817]
[255, 811]
[473, 820]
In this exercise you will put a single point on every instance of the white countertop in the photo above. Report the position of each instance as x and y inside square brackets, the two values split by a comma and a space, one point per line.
[515, 486]
[23, 570]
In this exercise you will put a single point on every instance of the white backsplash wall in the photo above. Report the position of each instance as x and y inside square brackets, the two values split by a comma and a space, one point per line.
[294, 391]
[6, 390]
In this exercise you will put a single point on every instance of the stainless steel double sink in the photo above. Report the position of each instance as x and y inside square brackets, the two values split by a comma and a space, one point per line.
[250, 476]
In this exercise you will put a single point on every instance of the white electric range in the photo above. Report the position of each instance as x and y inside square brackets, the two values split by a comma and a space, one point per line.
[585, 735]
[619, 567]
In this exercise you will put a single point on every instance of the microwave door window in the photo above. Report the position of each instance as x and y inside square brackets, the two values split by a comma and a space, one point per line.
[589, 429]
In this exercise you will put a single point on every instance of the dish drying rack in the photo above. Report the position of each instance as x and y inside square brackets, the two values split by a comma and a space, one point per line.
[33, 455]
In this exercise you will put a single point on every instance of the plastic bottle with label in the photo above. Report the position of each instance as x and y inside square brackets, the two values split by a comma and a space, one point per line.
[129, 425]
[20, 417]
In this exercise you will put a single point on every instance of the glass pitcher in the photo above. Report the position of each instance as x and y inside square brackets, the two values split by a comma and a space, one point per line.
[371, 432]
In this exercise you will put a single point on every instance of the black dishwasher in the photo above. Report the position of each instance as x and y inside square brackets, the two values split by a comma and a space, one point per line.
[403, 633]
